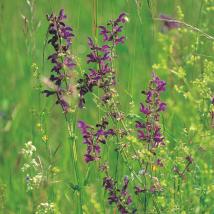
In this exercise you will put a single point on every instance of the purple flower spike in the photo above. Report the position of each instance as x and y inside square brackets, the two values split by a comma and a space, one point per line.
[61, 36]
[149, 130]
[120, 197]
[101, 58]
[93, 139]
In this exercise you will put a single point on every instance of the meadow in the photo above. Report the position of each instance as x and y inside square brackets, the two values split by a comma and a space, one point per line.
[106, 106]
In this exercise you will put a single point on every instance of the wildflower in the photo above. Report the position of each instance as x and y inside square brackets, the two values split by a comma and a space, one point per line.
[154, 167]
[46, 208]
[120, 197]
[145, 110]
[104, 167]
[29, 149]
[159, 84]
[92, 138]
[34, 182]
[113, 33]
[102, 56]
[150, 130]
[189, 159]
[39, 126]
[169, 23]
[45, 138]
[61, 40]
[139, 190]
[55, 170]
[32, 167]
[159, 162]
[162, 107]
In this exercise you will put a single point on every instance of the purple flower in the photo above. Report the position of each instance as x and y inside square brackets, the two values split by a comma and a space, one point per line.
[144, 109]
[109, 132]
[62, 15]
[83, 126]
[120, 197]
[101, 58]
[57, 67]
[64, 104]
[141, 135]
[122, 18]
[189, 159]
[152, 189]
[149, 129]
[138, 190]
[158, 139]
[149, 97]
[104, 32]
[61, 36]
[162, 106]
[140, 125]
[108, 183]
[129, 200]
[53, 58]
[93, 139]
[92, 148]
[169, 22]
[69, 62]
[112, 198]
[159, 162]
[88, 158]
[160, 84]
[125, 186]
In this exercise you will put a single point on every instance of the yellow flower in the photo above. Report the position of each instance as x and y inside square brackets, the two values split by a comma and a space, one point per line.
[55, 170]
[154, 167]
[45, 138]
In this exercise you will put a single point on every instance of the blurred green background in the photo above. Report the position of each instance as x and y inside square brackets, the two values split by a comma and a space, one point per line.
[23, 27]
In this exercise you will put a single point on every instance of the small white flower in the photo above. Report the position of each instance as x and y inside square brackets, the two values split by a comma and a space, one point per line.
[25, 167]
[45, 208]
[126, 18]
[141, 172]
[34, 163]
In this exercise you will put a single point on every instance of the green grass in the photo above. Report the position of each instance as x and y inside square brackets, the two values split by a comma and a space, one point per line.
[186, 122]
